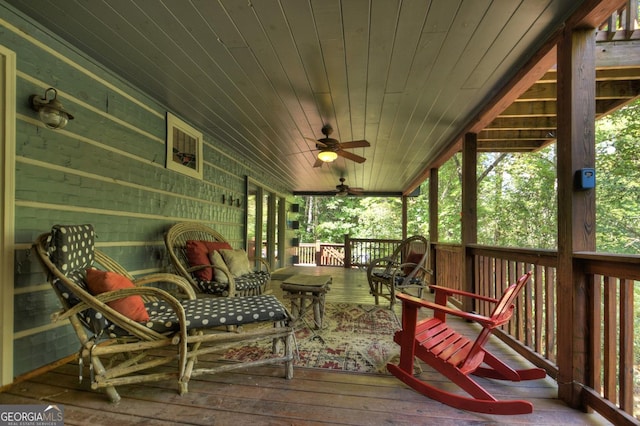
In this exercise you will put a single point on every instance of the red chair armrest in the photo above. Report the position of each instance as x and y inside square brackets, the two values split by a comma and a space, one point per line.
[450, 291]
[415, 303]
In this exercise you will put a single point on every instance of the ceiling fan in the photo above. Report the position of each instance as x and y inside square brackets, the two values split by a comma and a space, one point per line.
[330, 148]
[343, 190]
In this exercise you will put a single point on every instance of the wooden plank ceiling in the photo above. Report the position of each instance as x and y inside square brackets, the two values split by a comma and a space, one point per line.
[261, 77]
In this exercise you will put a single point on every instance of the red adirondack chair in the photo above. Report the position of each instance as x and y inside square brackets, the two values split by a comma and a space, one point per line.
[456, 356]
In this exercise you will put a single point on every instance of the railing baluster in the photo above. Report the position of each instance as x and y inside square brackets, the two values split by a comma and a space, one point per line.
[626, 345]
[610, 333]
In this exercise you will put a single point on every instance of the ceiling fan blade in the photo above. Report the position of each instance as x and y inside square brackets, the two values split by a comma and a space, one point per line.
[318, 163]
[351, 156]
[355, 144]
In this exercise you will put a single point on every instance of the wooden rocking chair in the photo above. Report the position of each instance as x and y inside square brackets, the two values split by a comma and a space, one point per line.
[454, 355]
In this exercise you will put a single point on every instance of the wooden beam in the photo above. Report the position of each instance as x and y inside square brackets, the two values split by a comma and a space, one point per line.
[576, 209]
[469, 211]
[522, 123]
[618, 54]
[519, 135]
[433, 206]
[512, 145]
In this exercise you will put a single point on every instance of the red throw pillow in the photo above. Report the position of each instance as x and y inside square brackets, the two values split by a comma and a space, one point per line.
[198, 254]
[412, 258]
[130, 306]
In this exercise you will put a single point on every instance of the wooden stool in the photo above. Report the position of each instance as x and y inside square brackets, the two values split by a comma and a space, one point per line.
[300, 288]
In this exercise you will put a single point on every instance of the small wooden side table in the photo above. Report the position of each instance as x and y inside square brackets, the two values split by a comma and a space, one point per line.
[302, 288]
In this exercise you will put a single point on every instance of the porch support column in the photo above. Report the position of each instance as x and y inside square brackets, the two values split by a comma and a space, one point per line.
[469, 210]
[576, 208]
[433, 220]
[433, 204]
[405, 217]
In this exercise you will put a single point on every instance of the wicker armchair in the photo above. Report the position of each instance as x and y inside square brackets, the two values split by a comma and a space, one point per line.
[406, 268]
[182, 237]
[123, 349]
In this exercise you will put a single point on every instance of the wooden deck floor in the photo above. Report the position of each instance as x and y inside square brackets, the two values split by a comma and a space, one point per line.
[261, 396]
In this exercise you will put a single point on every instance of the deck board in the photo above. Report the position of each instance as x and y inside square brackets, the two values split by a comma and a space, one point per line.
[261, 395]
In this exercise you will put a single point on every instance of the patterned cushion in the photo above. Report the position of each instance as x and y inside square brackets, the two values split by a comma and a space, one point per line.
[71, 247]
[383, 276]
[215, 312]
[246, 282]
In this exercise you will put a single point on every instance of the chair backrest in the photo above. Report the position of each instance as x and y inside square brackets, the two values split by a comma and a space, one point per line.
[503, 310]
[71, 247]
[65, 253]
[176, 242]
[410, 248]
[416, 251]
[501, 314]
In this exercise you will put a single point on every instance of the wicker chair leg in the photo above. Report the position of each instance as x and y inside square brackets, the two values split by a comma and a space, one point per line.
[288, 348]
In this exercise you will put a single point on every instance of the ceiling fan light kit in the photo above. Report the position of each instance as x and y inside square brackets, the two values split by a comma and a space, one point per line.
[327, 156]
[330, 149]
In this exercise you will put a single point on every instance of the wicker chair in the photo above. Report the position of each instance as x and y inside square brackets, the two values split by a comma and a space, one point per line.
[182, 234]
[122, 350]
[406, 268]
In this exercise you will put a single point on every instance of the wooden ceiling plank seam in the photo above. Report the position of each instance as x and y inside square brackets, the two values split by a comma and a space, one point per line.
[252, 30]
[532, 17]
[405, 49]
[356, 15]
[459, 37]
[291, 67]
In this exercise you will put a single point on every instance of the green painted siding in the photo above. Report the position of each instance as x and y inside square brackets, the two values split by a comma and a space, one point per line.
[106, 168]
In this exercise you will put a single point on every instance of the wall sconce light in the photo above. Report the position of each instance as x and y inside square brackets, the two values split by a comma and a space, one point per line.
[231, 200]
[223, 198]
[327, 156]
[50, 111]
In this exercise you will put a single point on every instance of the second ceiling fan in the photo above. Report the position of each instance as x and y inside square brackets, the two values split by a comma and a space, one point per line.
[330, 148]
[342, 190]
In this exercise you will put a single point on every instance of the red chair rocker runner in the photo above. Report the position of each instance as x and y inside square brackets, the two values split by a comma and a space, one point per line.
[454, 355]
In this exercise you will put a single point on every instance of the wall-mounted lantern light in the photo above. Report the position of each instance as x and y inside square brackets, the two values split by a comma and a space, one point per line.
[50, 110]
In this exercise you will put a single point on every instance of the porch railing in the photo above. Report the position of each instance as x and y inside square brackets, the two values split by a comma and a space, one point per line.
[320, 254]
[354, 253]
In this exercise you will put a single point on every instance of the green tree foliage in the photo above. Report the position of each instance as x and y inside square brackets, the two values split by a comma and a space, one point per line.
[517, 205]
[618, 181]
[328, 219]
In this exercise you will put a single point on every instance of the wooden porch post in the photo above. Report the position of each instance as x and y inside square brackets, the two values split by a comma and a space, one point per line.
[433, 205]
[404, 217]
[576, 208]
[469, 210]
[433, 220]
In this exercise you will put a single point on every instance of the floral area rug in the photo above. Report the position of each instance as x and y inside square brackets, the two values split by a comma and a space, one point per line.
[356, 338]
